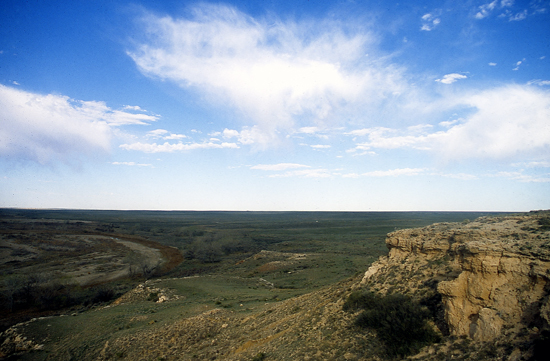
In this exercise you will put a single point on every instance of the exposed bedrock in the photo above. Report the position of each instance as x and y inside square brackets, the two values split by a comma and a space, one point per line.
[493, 274]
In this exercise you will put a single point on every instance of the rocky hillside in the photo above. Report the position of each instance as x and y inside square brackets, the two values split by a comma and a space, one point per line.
[490, 279]
[485, 282]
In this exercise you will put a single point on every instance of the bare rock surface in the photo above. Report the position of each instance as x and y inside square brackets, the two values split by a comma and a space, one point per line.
[492, 274]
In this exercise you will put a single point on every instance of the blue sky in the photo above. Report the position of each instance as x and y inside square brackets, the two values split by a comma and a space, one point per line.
[275, 105]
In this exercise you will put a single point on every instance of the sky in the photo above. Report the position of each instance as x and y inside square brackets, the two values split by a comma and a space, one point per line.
[303, 105]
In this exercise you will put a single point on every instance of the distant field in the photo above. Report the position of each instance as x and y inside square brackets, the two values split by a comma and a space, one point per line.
[244, 262]
[265, 255]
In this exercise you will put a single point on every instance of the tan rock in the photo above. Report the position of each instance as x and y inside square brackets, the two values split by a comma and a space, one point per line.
[493, 272]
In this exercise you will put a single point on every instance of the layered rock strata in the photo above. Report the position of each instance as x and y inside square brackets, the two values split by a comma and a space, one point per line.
[492, 275]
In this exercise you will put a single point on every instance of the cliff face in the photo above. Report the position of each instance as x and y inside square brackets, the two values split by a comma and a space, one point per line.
[492, 275]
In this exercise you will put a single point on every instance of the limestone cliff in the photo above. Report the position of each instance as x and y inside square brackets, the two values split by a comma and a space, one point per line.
[490, 277]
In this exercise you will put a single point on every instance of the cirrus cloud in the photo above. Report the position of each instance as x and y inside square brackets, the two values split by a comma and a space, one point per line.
[173, 147]
[279, 166]
[275, 73]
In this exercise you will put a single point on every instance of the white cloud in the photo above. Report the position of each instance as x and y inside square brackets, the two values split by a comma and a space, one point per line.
[132, 164]
[157, 133]
[519, 16]
[430, 21]
[533, 164]
[386, 138]
[518, 64]
[451, 78]
[229, 133]
[492, 64]
[419, 129]
[273, 72]
[486, 9]
[171, 147]
[320, 146]
[164, 134]
[175, 136]
[461, 176]
[539, 82]
[360, 132]
[305, 173]
[506, 122]
[395, 172]
[509, 121]
[526, 178]
[449, 123]
[308, 130]
[45, 128]
[279, 167]
[136, 108]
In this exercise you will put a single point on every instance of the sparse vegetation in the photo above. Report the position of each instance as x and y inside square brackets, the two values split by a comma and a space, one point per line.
[544, 223]
[243, 263]
[400, 322]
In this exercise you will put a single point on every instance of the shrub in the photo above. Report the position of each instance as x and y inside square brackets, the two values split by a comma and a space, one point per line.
[400, 323]
[259, 357]
[153, 296]
[103, 294]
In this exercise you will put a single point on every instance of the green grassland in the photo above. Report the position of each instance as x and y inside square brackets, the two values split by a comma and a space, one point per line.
[239, 261]
[340, 244]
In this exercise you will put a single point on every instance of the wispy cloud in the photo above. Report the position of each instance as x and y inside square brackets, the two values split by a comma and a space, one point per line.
[46, 128]
[276, 73]
[132, 164]
[293, 170]
[164, 134]
[308, 130]
[136, 108]
[279, 166]
[486, 9]
[519, 16]
[533, 164]
[305, 173]
[451, 78]
[539, 82]
[430, 21]
[520, 176]
[518, 64]
[395, 172]
[506, 122]
[174, 147]
[461, 176]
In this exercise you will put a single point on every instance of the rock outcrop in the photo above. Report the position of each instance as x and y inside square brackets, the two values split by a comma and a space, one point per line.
[492, 275]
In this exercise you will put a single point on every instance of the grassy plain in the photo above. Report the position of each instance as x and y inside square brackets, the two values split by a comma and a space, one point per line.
[239, 261]
[339, 244]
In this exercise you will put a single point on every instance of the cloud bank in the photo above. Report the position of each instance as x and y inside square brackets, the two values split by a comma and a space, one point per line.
[46, 128]
[506, 123]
